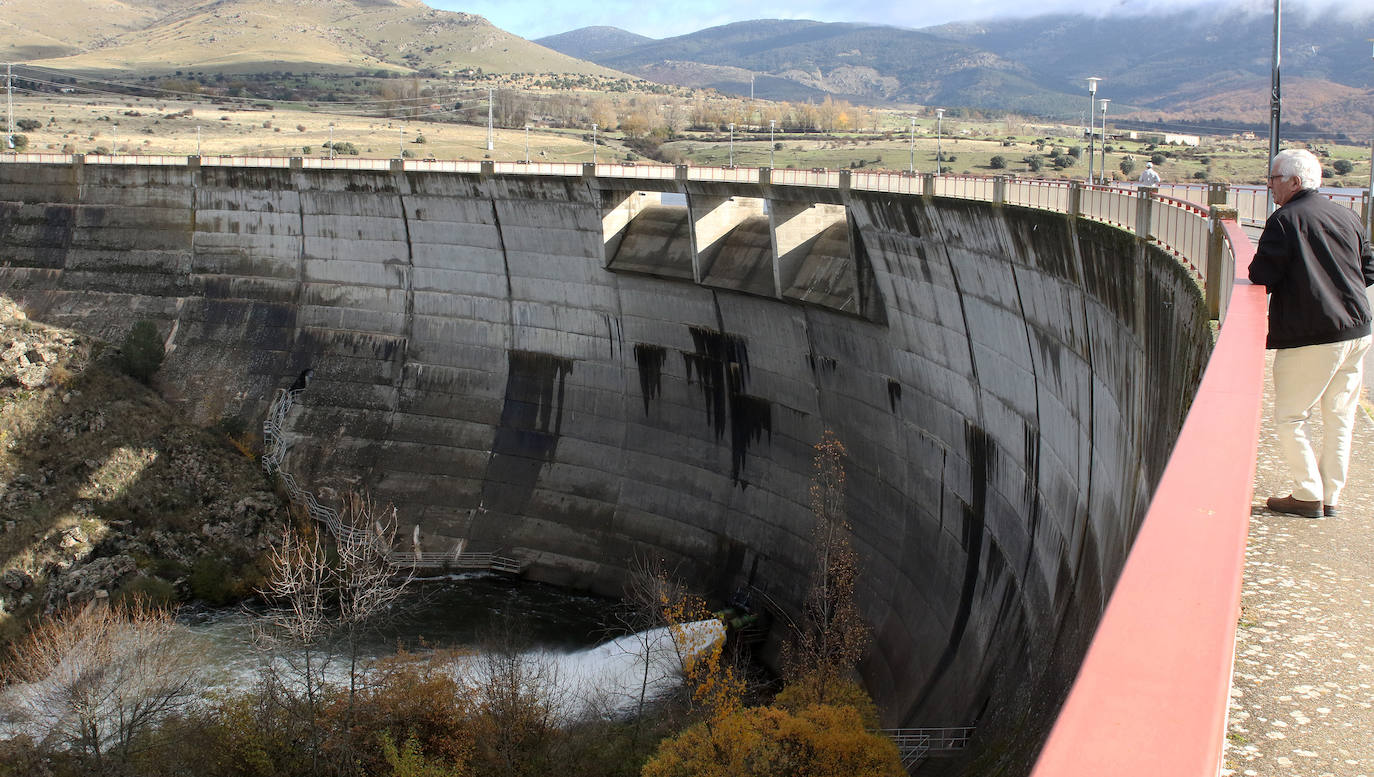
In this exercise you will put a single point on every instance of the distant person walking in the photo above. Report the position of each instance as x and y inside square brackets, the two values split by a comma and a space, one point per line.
[1148, 176]
[1315, 261]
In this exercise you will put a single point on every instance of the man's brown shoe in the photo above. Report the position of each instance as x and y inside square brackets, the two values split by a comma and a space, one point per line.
[1328, 511]
[1291, 506]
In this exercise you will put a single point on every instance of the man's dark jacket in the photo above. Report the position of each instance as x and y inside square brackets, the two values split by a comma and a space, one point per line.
[1315, 261]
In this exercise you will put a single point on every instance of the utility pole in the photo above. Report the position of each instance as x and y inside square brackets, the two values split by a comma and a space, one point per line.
[593, 143]
[527, 144]
[772, 123]
[197, 140]
[491, 132]
[401, 143]
[912, 167]
[1275, 104]
[939, 156]
[9, 104]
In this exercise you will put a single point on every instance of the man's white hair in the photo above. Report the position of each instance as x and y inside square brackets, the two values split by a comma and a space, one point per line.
[1298, 163]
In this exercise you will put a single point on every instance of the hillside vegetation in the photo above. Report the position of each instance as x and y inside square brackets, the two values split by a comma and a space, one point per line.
[248, 36]
[105, 491]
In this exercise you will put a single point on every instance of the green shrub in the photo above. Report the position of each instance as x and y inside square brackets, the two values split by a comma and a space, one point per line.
[141, 353]
[1343, 166]
[212, 583]
[152, 591]
[998, 162]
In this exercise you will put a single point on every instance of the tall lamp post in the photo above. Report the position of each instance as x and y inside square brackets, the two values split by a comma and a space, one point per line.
[1103, 172]
[1275, 108]
[1369, 227]
[939, 158]
[772, 123]
[1092, 131]
[593, 143]
[527, 144]
[732, 144]
[912, 167]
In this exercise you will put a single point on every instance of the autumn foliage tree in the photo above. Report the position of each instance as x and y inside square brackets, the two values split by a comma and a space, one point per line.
[832, 635]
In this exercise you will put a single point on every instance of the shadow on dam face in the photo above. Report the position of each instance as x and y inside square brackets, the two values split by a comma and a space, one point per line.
[1008, 384]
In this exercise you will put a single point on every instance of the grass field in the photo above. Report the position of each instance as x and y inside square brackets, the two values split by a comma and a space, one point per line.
[130, 125]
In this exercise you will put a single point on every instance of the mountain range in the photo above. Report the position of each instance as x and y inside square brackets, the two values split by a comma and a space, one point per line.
[1185, 65]
[1192, 65]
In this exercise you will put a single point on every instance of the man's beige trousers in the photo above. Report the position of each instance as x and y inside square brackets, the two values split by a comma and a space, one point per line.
[1326, 376]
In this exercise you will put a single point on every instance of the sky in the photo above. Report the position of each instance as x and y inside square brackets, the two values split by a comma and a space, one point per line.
[532, 19]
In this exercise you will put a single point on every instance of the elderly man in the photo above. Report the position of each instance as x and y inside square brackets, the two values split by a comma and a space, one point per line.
[1315, 261]
[1149, 177]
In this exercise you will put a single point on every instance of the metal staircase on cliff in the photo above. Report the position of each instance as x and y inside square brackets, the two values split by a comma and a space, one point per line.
[275, 446]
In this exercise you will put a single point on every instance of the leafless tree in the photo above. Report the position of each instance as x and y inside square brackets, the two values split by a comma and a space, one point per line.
[97, 680]
[325, 595]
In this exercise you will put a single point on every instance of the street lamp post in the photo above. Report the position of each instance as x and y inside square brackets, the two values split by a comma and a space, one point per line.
[400, 143]
[911, 168]
[1092, 133]
[331, 140]
[1103, 102]
[732, 144]
[197, 140]
[1369, 226]
[527, 144]
[593, 143]
[939, 157]
[772, 123]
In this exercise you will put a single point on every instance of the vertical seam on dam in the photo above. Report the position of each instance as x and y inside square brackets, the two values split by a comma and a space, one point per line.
[974, 547]
[408, 272]
[1032, 457]
[1092, 409]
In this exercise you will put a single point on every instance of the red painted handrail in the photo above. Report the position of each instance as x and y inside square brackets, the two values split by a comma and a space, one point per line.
[1151, 696]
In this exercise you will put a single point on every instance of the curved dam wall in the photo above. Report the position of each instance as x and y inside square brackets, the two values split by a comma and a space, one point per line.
[1008, 384]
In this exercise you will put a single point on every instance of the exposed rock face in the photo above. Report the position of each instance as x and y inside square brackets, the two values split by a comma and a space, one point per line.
[96, 471]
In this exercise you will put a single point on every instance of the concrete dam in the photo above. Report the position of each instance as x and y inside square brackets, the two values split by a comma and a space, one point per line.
[566, 369]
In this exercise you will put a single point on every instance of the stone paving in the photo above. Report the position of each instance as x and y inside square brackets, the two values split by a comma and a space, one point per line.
[1302, 694]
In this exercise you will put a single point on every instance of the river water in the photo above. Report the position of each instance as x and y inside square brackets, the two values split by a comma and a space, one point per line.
[567, 640]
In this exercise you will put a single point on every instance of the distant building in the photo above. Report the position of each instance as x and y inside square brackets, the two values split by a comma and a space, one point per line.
[1184, 140]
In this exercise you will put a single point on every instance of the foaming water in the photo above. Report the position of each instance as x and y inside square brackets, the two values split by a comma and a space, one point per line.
[568, 662]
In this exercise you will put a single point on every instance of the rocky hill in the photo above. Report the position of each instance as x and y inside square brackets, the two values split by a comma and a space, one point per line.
[104, 489]
[247, 36]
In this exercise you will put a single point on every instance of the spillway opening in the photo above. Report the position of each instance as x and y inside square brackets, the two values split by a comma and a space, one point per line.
[642, 233]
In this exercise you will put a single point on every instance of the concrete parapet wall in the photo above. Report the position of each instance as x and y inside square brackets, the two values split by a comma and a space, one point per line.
[1006, 413]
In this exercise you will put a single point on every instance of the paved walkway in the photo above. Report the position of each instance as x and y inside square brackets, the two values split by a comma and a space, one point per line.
[1302, 696]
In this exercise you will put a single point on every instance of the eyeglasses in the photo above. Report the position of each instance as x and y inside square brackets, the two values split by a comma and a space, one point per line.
[1272, 177]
